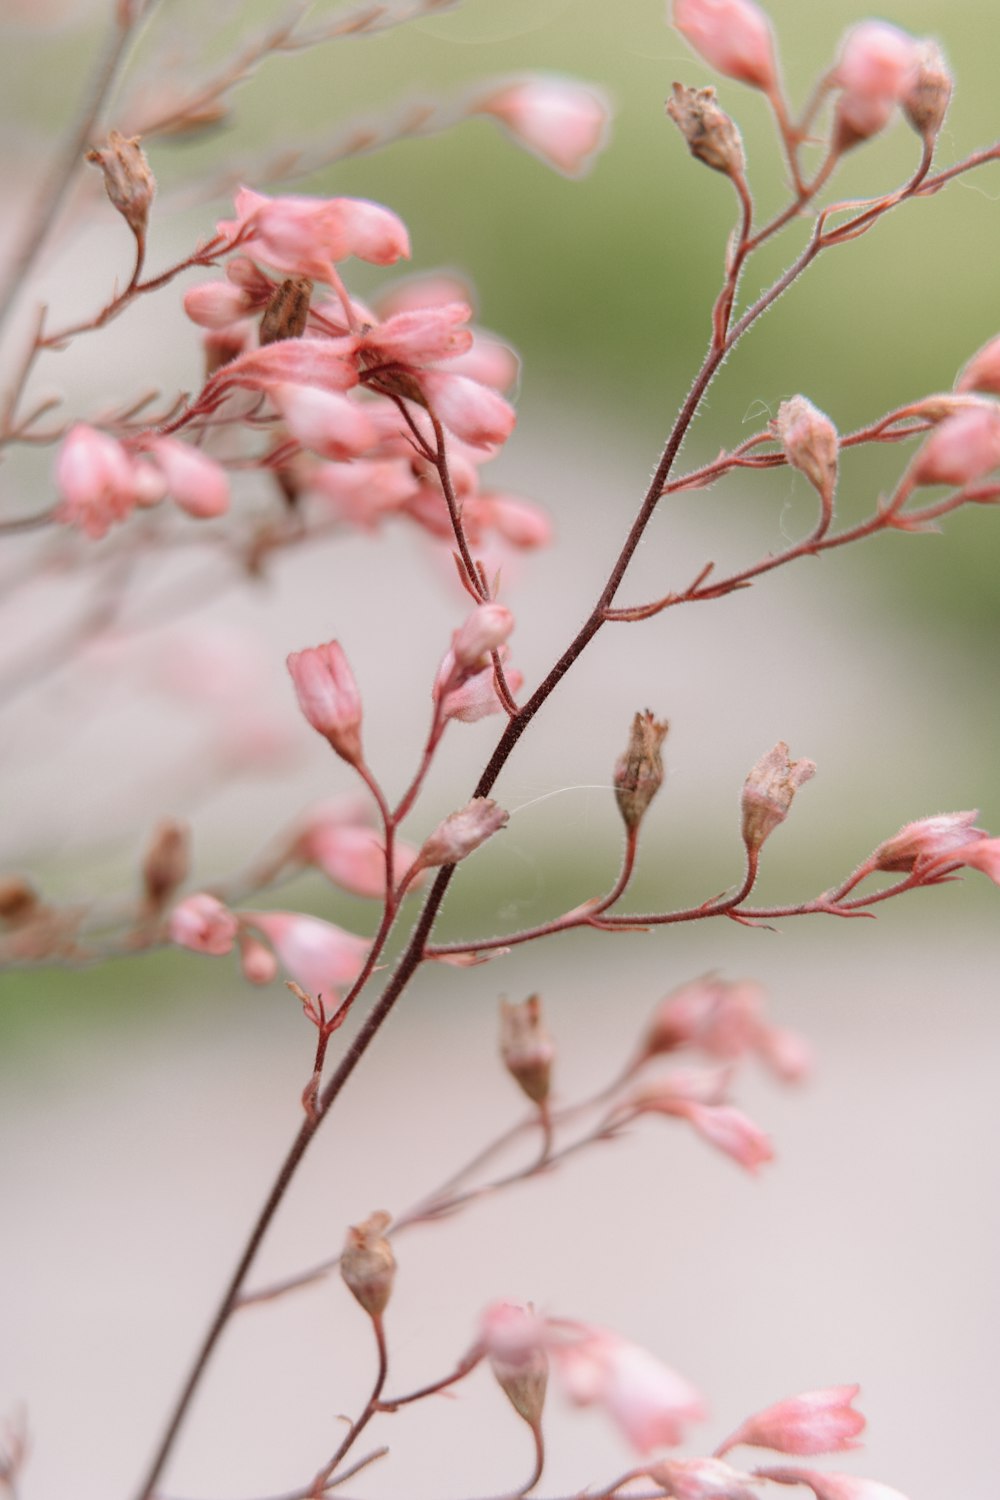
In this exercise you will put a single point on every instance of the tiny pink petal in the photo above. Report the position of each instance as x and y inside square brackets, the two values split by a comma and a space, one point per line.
[827, 1486]
[731, 1131]
[216, 304]
[421, 336]
[318, 955]
[196, 482]
[202, 923]
[96, 481]
[934, 838]
[563, 122]
[326, 422]
[473, 412]
[651, 1403]
[519, 522]
[982, 373]
[961, 449]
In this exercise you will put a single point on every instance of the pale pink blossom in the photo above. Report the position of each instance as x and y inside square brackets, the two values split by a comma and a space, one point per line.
[484, 631]
[731, 1131]
[822, 1421]
[306, 235]
[928, 839]
[216, 304]
[462, 832]
[490, 361]
[963, 448]
[651, 1404]
[984, 855]
[734, 36]
[258, 963]
[328, 363]
[202, 923]
[511, 1331]
[420, 336]
[326, 422]
[197, 483]
[518, 522]
[671, 1093]
[425, 289]
[318, 955]
[982, 373]
[352, 857]
[362, 493]
[563, 122]
[701, 1479]
[475, 696]
[473, 412]
[96, 480]
[328, 696]
[832, 1486]
[875, 63]
[725, 1019]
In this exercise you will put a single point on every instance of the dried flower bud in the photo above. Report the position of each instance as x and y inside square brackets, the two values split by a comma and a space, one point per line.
[513, 1337]
[710, 133]
[287, 313]
[166, 863]
[526, 1047]
[768, 792]
[19, 901]
[368, 1265]
[810, 442]
[639, 772]
[927, 92]
[128, 180]
[462, 832]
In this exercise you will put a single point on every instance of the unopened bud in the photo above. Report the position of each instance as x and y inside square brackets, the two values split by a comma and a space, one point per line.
[128, 180]
[462, 832]
[513, 1338]
[287, 313]
[927, 94]
[484, 631]
[19, 901]
[639, 772]
[768, 792]
[810, 442]
[710, 133]
[167, 862]
[526, 1047]
[368, 1265]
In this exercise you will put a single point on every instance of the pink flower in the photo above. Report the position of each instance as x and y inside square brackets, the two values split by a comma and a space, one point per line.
[731, 1131]
[258, 963]
[473, 412]
[484, 631]
[318, 955]
[474, 696]
[734, 36]
[352, 857]
[984, 855]
[875, 63]
[725, 1019]
[305, 235]
[462, 833]
[325, 422]
[202, 923]
[929, 839]
[963, 448]
[982, 373]
[833, 1486]
[701, 1479]
[96, 480]
[328, 363]
[420, 336]
[651, 1404]
[197, 483]
[518, 522]
[563, 122]
[814, 1422]
[328, 697]
[216, 304]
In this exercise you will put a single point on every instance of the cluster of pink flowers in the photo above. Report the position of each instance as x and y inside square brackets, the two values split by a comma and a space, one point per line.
[102, 480]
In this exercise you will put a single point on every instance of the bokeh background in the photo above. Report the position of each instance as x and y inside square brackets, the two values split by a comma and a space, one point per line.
[146, 1103]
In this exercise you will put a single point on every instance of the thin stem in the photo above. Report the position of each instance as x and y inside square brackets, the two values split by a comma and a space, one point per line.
[319, 1484]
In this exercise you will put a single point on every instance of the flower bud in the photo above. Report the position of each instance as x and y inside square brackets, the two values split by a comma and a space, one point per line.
[19, 901]
[768, 792]
[513, 1337]
[526, 1047]
[639, 772]
[367, 1263]
[167, 861]
[927, 92]
[563, 122]
[962, 449]
[462, 832]
[202, 923]
[810, 442]
[710, 133]
[928, 839]
[484, 631]
[128, 180]
[982, 373]
[814, 1422]
[328, 697]
[287, 313]
[733, 35]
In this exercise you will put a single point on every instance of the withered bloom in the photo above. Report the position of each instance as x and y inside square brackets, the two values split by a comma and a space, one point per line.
[639, 772]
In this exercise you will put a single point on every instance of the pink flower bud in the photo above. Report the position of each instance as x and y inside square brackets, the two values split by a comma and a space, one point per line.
[328, 697]
[927, 91]
[462, 832]
[197, 483]
[875, 63]
[305, 235]
[484, 631]
[929, 839]
[527, 1050]
[832, 1486]
[330, 364]
[700, 1479]
[814, 1422]
[518, 522]
[319, 955]
[473, 412]
[325, 422]
[96, 480]
[513, 1338]
[489, 361]
[810, 442]
[421, 336]
[565, 123]
[202, 922]
[768, 793]
[352, 857]
[982, 373]
[368, 1265]
[731, 1131]
[216, 304]
[258, 963]
[650, 1402]
[473, 698]
[964, 448]
[733, 36]
[984, 855]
